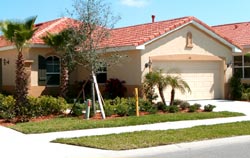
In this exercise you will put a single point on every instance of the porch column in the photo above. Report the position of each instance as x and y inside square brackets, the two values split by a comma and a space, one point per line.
[28, 64]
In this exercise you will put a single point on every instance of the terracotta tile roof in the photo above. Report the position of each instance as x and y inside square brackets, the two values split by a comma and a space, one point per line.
[120, 37]
[53, 26]
[237, 32]
[140, 34]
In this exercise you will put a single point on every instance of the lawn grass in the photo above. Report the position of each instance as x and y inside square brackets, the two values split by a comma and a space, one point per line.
[143, 139]
[72, 123]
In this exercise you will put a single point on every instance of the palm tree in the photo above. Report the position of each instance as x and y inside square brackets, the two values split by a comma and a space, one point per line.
[156, 78]
[60, 43]
[176, 82]
[57, 41]
[19, 33]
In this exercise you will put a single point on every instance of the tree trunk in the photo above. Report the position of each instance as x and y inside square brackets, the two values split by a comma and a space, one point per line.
[172, 97]
[162, 95]
[21, 89]
[64, 80]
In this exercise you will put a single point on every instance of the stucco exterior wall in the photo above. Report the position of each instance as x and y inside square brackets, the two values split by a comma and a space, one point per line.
[175, 43]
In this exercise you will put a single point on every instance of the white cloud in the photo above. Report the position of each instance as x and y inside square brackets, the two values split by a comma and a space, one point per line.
[135, 3]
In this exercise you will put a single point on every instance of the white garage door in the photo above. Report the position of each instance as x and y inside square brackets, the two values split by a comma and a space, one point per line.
[203, 77]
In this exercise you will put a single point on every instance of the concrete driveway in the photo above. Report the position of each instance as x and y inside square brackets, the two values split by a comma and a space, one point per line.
[14, 144]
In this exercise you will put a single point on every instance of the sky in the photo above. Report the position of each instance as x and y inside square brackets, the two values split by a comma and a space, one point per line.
[132, 12]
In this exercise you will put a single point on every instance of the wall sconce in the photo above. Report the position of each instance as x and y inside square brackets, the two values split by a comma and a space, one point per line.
[6, 61]
[148, 64]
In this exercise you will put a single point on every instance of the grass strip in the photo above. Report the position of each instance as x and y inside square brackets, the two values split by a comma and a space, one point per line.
[73, 123]
[143, 139]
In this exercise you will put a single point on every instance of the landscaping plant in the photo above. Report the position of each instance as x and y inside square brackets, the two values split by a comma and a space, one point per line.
[19, 33]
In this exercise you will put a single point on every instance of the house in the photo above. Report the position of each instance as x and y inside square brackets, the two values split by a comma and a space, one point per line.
[204, 56]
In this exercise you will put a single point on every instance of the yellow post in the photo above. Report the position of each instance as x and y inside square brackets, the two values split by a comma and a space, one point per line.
[136, 102]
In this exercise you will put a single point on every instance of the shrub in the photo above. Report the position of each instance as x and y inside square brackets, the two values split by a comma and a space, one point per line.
[161, 106]
[178, 102]
[109, 108]
[153, 110]
[7, 110]
[235, 87]
[184, 105]
[145, 105]
[192, 108]
[246, 92]
[77, 109]
[149, 92]
[173, 109]
[209, 108]
[121, 106]
[122, 109]
[115, 88]
[46, 105]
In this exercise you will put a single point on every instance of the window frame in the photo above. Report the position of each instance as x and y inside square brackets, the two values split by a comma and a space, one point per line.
[54, 72]
[242, 67]
[102, 70]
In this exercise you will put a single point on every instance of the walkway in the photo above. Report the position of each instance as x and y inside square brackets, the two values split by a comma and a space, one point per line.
[14, 144]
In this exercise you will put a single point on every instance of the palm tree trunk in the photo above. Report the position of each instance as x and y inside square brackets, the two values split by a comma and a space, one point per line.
[172, 97]
[21, 86]
[64, 80]
[162, 95]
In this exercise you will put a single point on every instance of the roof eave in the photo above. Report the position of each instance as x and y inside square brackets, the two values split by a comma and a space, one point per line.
[29, 45]
[122, 48]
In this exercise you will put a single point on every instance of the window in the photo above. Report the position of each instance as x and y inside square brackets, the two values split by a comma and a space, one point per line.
[242, 66]
[48, 71]
[101, 75]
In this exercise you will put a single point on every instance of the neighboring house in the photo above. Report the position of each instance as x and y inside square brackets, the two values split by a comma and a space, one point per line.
[201, 54]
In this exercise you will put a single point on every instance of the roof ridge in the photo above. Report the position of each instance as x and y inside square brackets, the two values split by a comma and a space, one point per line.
[56, 22]
[230, 24]
[153, 22]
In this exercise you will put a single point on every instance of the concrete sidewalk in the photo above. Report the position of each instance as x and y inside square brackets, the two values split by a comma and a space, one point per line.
[15, 144]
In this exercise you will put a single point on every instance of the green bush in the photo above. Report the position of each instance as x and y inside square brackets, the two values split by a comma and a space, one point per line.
[77, 109]
[209, 108]
[235, 87]
[246, 92]
[121, 106]
[153, 110]
[161, 106]
[145, 105]
[245, 96]
[184, 105]
[46, 105]
[109, 108]
[42, 106]
[192, 108]
[173, 109]
[7, 109]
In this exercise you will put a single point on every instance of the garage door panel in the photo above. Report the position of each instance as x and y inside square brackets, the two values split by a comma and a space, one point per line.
[203, 78]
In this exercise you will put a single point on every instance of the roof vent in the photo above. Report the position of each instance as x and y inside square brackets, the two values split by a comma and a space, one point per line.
[235, 27]
[153, 18]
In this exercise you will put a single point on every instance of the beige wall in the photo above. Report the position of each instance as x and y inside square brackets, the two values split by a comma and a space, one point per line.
[175, 43]
[127, 69]
[9, 69]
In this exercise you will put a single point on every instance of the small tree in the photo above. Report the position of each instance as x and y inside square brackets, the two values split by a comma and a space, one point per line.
[19, 33]
[176, 82]
[95, 22]
[155, 78]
